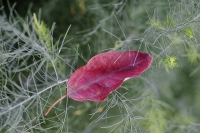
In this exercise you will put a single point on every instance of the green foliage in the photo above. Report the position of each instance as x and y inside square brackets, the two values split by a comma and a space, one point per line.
[156, 24]
[193, 55]
[189, 33]
[43, 33]
[170, 62]
[36, 59]
[156, 116]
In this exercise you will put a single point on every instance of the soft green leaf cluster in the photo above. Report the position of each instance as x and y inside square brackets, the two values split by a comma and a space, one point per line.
[43, 33]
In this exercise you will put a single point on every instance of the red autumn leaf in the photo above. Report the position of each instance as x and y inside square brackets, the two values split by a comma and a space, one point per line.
[104, 73]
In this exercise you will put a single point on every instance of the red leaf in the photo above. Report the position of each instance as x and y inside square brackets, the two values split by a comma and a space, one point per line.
[104, 73]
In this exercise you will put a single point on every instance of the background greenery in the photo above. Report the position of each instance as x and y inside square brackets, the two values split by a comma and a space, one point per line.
[42, 43]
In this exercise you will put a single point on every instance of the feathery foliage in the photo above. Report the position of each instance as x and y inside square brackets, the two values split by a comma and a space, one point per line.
[36, 59]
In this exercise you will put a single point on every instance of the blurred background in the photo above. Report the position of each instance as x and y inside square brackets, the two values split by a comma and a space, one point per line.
[42, 43]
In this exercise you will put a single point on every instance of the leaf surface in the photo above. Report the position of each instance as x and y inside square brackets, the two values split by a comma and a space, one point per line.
[104, 73]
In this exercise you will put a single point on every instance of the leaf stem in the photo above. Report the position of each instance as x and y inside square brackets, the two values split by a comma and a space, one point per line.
[49, 109]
